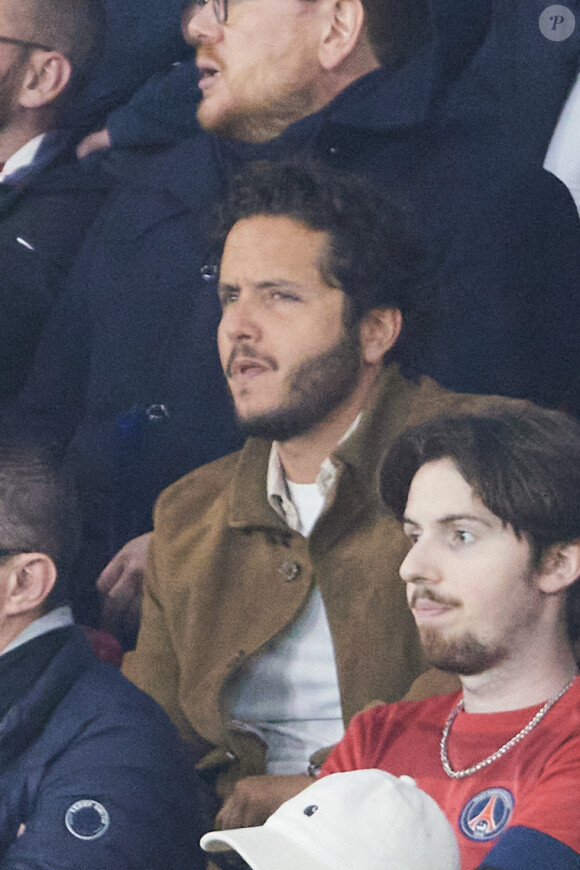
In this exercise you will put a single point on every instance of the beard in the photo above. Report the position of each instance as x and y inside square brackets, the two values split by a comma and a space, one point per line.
[10, 82]
[255, 122]
[465, 655]
[257, 113]
[315, 389]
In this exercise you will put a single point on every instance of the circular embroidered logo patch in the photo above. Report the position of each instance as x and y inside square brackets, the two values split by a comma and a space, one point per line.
[487, 814]
[87, 820]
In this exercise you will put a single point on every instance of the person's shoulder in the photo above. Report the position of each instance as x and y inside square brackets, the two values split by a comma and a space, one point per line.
[151, 186]
[138, 165]
[55, 208]
[192, 495]
[106, 699]
[425, 709]
[412, 400]
[430, 399]
[67, 174]
[106, 685]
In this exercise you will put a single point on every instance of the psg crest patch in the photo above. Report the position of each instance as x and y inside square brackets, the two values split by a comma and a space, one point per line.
[87, 820]
[487, 814]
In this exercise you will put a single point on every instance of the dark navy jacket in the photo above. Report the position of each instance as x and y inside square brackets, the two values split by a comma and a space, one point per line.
[93, 776]
[127, 382]
[43, 219]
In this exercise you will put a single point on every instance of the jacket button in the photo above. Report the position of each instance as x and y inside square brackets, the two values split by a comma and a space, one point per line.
[333, 150]
[289, 571]
[209, 272]
[156, 413]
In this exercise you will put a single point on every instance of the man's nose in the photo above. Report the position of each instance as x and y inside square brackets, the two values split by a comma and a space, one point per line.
[420, 563]
[240, 321]
[199, 24]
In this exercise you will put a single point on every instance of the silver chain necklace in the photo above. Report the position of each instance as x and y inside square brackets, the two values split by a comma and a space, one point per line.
[460, 774]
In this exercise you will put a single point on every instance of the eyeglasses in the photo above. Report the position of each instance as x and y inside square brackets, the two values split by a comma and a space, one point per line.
[220, 8]
[27, 43]
[12, 552]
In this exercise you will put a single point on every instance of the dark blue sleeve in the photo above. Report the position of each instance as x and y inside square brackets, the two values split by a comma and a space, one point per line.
[118, 793]
[527, 849]
[160, 112]
[143, 37]
[50, 405]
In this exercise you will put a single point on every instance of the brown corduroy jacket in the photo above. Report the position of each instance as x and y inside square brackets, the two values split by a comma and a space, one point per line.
[226, 575]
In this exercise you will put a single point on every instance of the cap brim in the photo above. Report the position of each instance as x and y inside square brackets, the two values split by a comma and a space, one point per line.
[263, 849]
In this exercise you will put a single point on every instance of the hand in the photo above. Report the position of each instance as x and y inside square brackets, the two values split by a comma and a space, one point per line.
[120, 585]
[94, 142]
[255, 798]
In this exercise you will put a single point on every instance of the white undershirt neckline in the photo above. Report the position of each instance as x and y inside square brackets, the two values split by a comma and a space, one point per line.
[60, 617]
[22, 158]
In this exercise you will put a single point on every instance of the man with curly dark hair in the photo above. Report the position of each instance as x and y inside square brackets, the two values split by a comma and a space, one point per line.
[273, 610]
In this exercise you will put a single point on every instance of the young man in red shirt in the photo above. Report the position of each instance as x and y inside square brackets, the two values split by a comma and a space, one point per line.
[491, 507]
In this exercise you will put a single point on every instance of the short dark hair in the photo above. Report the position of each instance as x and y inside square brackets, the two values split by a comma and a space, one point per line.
[39, 510]
[396, 28]
[372, 255]
[75, 28]
[523, 462]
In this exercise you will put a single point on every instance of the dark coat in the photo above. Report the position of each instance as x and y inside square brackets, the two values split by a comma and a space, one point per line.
[137, 327]
[83, 733]
[43, 219]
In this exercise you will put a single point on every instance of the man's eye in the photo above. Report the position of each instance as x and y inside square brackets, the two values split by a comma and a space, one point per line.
[463, 537]
[228, 296]
[283, 296]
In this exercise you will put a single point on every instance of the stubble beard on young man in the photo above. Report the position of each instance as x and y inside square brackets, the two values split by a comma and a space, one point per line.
[464, 655]
[316, 388]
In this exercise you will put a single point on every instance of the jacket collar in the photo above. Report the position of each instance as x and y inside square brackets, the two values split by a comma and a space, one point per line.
[26, 720]
[359, 457]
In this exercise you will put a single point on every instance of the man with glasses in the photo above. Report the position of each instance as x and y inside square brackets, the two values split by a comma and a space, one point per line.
[127, 382]
[46, 201]
[93, 773]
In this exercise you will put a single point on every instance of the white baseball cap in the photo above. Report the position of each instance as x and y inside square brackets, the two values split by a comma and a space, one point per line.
[345, 821]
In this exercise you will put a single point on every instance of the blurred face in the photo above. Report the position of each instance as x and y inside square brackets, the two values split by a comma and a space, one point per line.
[287, 355]
[259, 70]
[470, 581]
[13, 60]
[10, 81]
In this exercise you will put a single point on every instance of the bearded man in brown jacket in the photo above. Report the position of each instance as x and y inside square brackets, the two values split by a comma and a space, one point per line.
[273, 610]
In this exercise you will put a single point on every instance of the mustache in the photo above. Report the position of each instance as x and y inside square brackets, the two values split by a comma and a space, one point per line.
[204, 52]
[246, 351]
[428, 595]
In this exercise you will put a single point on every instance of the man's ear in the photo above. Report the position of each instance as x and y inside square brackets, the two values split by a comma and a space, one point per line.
[32, 578]
[560, 568]
[379, 331]
[343, 31]
[47, 75]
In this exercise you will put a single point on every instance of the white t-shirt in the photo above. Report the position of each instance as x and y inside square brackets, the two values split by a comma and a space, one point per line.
[289, 693]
